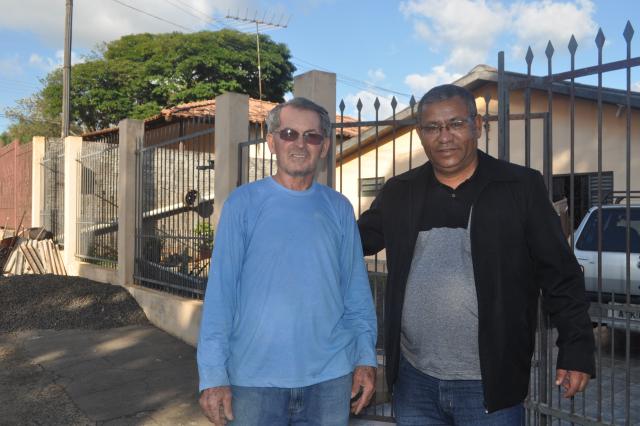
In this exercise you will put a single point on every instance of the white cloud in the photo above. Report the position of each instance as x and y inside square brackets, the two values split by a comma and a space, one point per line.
[466, 31]
[368, 110]
[419, 84]
[535, 24]
[636, 87]
[376, 75]
[463, 27]
[98, 21]
[48, 64]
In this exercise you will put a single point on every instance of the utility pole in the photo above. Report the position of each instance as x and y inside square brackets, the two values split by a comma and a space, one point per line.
[66, 69]
[267, 23]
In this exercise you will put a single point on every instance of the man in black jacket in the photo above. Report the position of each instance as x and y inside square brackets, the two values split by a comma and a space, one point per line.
[471, 242]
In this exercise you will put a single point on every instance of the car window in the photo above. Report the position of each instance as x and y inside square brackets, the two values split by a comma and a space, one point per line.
[614, 233]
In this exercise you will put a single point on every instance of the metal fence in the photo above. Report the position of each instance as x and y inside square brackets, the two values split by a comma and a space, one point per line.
[52, 215]
[363, 164]
[255, 161]
[174, 205]
[381, 149]
[612, 398]
[97, 223]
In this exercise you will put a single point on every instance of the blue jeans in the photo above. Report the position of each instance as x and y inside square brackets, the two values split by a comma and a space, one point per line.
[420, 399]
[322, 404]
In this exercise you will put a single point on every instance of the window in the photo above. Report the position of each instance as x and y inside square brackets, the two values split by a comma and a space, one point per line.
[369, 187]
[585, 191]
[614, 232]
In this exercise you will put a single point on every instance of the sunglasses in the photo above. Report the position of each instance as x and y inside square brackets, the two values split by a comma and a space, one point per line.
[311, 137]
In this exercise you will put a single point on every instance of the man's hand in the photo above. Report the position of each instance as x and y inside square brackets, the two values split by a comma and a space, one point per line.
[364, 379]
[571, 381]
[216, 404]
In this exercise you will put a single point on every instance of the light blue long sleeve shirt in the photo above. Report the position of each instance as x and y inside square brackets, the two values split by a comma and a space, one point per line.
[288, 302]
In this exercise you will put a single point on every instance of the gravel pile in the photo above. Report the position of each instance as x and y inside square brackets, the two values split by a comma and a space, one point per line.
[29, 302]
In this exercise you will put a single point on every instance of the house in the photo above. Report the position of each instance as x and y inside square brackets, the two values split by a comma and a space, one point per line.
[381, 152]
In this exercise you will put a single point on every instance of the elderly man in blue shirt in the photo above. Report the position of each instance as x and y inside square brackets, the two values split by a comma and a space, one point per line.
[288, 330]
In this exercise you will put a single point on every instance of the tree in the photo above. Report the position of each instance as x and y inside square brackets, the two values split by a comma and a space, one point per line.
[5, 139]
[138, 75]
[35, 115]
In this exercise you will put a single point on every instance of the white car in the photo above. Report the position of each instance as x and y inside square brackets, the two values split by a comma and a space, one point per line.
[614, 259]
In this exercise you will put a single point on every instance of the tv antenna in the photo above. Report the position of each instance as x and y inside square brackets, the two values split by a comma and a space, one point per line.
[268, 23]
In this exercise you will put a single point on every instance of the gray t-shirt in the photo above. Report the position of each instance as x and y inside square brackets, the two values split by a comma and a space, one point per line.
[440, 313]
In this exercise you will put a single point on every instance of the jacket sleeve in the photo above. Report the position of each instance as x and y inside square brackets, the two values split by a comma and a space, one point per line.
[359, 312]
[370, 226]
[558, 274]
[220, 299]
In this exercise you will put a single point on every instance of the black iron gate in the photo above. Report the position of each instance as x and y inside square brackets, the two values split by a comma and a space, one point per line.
[611, 398]
[174, 207]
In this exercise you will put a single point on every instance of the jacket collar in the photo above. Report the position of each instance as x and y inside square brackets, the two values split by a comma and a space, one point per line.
[493, 170]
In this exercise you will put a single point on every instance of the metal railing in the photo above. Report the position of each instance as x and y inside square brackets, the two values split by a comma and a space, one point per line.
[52, 215]
[97, 218]
[174, 205]
[610, 398]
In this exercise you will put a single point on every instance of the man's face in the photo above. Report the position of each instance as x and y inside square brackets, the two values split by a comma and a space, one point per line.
[452, 148]
[297, 158]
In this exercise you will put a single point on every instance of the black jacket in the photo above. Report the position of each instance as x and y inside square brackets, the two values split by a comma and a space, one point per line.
[518, 249]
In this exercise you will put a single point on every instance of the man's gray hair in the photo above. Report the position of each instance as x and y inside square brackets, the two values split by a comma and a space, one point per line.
[445, 92]
[273, 118]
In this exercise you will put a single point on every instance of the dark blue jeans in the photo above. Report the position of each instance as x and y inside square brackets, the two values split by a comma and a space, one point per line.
[322, 404]
[424, 400]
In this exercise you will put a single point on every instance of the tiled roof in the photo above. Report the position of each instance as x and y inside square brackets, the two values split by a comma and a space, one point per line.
[258, 111]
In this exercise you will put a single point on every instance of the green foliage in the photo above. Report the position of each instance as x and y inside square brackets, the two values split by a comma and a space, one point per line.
[5, 139]
[38, 114]
[205, 231]
[138, 75]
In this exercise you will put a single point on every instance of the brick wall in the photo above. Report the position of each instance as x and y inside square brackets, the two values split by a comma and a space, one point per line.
[15, 184]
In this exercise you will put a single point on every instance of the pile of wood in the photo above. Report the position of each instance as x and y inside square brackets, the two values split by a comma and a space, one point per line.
[34, 257]
[31, 251]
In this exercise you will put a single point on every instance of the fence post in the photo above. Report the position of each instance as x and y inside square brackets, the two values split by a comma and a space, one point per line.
[231, 128]
[72, 148]
[320, 87]
[503, 111]
[131, 131]
[37, 183]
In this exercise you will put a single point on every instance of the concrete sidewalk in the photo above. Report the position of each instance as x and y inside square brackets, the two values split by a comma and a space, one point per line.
[136, 375]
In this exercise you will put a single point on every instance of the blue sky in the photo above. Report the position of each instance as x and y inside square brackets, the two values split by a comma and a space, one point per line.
[376, 48]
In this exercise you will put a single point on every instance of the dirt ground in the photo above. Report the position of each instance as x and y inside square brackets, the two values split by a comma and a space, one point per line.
[29, 395]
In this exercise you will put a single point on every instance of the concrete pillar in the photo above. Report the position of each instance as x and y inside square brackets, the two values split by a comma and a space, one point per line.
[72, 149]
[232, 127]
[131, 134]
[37, 180]
[320, 87]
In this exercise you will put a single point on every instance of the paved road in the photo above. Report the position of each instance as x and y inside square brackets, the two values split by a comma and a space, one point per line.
[135, 375]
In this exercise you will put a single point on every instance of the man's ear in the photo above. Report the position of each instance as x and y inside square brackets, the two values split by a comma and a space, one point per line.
[478, 126]
[270, 142]
[325, 147]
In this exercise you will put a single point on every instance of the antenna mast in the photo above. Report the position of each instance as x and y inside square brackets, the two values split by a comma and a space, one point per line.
[271, 23]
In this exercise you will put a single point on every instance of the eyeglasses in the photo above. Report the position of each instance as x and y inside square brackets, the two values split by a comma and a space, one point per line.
[310, 137]
[456, 125]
